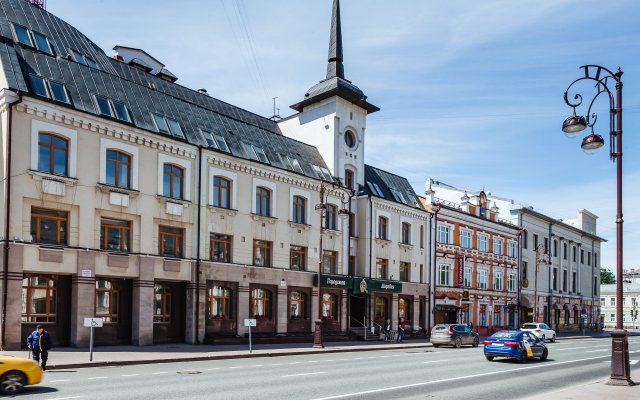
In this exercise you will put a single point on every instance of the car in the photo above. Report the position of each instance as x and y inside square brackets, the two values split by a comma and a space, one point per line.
[514, 344]
[454, 335]
[16, 373]
[540, 329]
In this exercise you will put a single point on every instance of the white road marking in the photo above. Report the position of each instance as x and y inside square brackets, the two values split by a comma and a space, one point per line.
[633, 362]
[435, 361]
[159, 373]
[234, 367]
[309, 373]
[65, 398]
[98, 377]
[274, 365]
[593, 351]
[387, 389]
[258, 365]
[130, 375]
[60, 380]
[211, 369]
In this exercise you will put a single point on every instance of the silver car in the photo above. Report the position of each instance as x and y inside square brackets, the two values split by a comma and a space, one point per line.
[540, 329]
[454, 335]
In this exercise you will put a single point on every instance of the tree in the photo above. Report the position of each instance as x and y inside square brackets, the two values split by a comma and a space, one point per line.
[607, 277]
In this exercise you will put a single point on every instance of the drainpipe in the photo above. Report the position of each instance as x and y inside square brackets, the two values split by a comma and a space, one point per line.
[550, 268]
[368, 307]
[5, 267]
[593, 287]
[432, 271]
[518, 309]
[198, 264]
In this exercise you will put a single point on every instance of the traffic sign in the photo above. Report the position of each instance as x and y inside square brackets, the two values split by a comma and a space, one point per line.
[249, 322]
[93, 322]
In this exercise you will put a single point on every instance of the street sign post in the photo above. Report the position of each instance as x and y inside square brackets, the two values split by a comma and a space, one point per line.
[249, 322]
[92, 323]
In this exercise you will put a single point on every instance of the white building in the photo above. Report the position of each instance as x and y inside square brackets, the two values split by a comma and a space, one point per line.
[630, 305]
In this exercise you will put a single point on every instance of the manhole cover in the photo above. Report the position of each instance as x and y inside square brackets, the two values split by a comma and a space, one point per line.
[189, 372]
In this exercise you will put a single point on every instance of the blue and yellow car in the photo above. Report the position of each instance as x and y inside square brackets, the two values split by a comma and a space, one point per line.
[518, 345]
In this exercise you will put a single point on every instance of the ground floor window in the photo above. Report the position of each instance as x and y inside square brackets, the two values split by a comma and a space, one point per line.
[161, 303]
[464, 314]
[566, 317]
[329, 306]
[576, 317]
[219, 302]
[297, 308]
[106, 300]
[381, 308]
[482, 315]
[497, 315]
[39, 298]
[404, 308]
[261, 304]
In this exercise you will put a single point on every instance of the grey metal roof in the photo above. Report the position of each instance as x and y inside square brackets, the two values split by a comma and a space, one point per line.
[142, 92]
[386, 181]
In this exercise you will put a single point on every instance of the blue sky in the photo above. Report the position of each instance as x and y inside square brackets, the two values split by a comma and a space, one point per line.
[470, 91]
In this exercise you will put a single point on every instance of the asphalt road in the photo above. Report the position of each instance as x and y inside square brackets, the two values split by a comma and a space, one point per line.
[427, 373]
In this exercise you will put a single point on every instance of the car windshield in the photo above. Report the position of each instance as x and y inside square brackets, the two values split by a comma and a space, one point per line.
[529, 326]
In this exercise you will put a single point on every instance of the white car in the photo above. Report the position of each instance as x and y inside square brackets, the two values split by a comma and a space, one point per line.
[540, 329]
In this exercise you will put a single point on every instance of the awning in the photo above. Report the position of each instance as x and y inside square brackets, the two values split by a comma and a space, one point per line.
[576, 307]
[566, 306]
[526, 301]
[556, 306]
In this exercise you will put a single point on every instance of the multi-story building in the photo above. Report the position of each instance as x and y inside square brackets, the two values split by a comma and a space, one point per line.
[475, 263]
[630, 305]
[173, 215]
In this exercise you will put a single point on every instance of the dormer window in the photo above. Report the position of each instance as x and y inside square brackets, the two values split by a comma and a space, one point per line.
[121, 111]
[22, 35]
[42, 43]
[59, 92]
[111, 108]
[49, 89]
[38, 85]
[91, 63]
[104, 107]
[255, 153]
[175, 127]
[77, 57]
[398, 196]
[375, 189]
[291, 163]
[167, 125]
[322, 173]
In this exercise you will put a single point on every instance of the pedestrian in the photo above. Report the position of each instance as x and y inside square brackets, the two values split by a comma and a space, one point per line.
[470, 325]
[387, 331]
[400, 331]
[39, 343]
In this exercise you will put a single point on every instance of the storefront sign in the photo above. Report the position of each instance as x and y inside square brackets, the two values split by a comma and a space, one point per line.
[375, 285]
[460, 270]
[334, 281]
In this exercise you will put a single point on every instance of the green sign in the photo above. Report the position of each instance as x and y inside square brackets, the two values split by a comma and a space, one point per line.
[366, 285]
[334, 281]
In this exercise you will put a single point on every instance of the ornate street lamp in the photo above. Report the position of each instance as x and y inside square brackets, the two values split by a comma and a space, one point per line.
[572, 126]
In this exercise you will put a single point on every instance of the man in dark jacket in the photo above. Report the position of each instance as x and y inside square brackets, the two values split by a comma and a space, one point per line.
[39, 343]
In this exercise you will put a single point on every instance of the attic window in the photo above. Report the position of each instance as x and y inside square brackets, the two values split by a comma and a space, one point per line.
[375, 189]
[38, 85]
[42, 43]
[121, 111]
[222, 144]
[91, 63]
[77, 57]
[104, 107]
[175, 127]
[167, 125]
[291, 163]
[49, 89]
[59, 92]
[322, 173]
[398, 196]
[261, 154]
[22, 35]
[255, 153]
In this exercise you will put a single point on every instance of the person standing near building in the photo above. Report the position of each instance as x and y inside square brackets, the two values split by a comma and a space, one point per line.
[39, 343]
[400, 331]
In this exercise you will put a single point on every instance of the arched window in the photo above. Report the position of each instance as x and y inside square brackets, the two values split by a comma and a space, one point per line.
[263, 201]
[299, 210]
[118, 171]
[331, 218]
[329, 306]
[39, 298]
[261, 303]
[220, 302]
[297, 308]
[350, 139]
[173, 181]
[53, 154]
[383, 223]
[221, 192]
[381, 308]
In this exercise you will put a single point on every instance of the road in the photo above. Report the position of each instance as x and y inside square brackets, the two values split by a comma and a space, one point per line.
[424, 373]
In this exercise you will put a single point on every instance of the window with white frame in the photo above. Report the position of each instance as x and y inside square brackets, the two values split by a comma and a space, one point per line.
[612, 318]
[444, 275]
[497, 245]
[483, 242]
[465, 238]
[444, 233]
[511, 285]
[511, 248]
[467, 276]
[483, 279]
[497, 280]
[612, 302]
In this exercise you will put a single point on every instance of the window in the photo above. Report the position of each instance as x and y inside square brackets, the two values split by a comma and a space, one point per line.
[444, 275]
[167, 125]
[405, 269]
[297, 309]
[483, 279]
[564, 251]
[573, 251]
[525, 268]
[525, 239]
[122, 113]
[511, 282]
[348, 178]
[382, 267]
[222, 144]
[298, 258]
[482, 315]
[161, 303]
[497, 246]
[352, 225]
[91, 63]
[221, 192]
[574, 282]
[49, 89]
[291, 163]
[535, 242]
[555, 248]
[581, 256]
[263, 201]
[104, 107]
[564, 280]
[49, 226]
[261, 253]
[612, 318]
[220, 302]
[511, 248]
[220, 247]
[329, 262]
[612, 302]
[329, 306]
[555, 279]
[444, 231]
[22, 35]
[106, 300]
[483, 242]
[375, 189]
[174, 126]
[77, 57]
[255, 153]
[331, 217]
[115, 234]
[39, 298]
[497, 280]
[406, 233]
[497, 315]
[588, 258]
[398, 196]
[350, 139]
[299, 210]
[38, 86]
[546, 245]
[59, 92]
[173, 181]
[422, 236]
[381, 307]
[404, 308]
[261, 304]
[118, 172]
[53, 154]
[595, 260]
[465, 238]
[467, 276]
[171, 241]
[322, 173]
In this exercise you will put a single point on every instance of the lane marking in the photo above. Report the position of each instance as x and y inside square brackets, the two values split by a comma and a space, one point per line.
[387, 389]
[309, 373]
[159, 373]
[65, 398]
[593, 351]
[435, 361]
[60, 380]
[259, 365]
[275, 365]
[130, 375]
[633, 362]
[98, 377]
[211, 369]
[234, 367]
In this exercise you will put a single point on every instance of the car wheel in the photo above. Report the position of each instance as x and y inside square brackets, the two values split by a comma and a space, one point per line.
[523, 357]
[544, 355]
[553, 339]
[12, 382]
[489, 358]
[458, 343]
[436, 345]
[476, 342]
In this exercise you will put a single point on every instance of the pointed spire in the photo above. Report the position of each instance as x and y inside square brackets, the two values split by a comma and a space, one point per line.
[335, 67]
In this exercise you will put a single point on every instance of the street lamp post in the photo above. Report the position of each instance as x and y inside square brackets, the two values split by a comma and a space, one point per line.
[572, 126]
[540, 252]
[321, 209]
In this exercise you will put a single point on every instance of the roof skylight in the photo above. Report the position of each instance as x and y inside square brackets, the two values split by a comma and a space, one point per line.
[22, 35]
[49, 89]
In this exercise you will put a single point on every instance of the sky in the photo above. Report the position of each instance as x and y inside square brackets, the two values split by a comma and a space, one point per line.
[471, 92]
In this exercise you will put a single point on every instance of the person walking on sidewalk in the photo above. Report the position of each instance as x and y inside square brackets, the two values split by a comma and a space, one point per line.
[400, 331]
[387, 331]
[39, 343]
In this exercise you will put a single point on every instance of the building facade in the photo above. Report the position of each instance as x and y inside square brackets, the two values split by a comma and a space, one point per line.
[630, 305]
